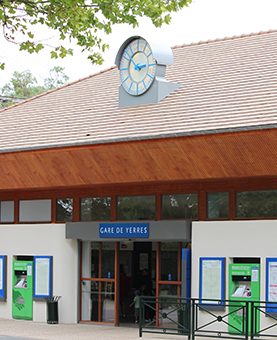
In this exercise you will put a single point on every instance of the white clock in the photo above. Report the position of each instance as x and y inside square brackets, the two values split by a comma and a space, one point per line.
[142, 67]
[137, 67]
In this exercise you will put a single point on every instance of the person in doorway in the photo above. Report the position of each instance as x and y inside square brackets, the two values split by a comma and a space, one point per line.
[124, 287]
[147, 290]
[136, 303]
[146, 287]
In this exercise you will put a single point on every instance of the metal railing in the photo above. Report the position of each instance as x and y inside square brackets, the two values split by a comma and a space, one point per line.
[227, 319]
[164, 314]
[224, 318]
[269, 310]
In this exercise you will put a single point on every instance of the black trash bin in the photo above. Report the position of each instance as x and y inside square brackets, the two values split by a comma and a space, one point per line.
[52, 309]
[183, 320]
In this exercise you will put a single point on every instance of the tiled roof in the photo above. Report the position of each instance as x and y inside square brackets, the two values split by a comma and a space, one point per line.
[227, 85]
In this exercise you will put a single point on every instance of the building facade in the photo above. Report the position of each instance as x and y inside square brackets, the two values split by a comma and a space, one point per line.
[90, 191]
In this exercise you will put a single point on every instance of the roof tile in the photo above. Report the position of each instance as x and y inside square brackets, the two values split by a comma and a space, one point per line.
[228, 84]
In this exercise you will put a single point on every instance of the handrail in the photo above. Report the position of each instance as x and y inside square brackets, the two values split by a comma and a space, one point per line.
[178, 315]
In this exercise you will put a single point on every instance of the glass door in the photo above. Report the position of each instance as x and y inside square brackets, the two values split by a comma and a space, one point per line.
[168, 273]
[98, 284]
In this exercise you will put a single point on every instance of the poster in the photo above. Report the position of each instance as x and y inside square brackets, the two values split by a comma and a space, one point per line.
[42, 269]
[1, 273]
[272, 281]
[143, 261]
[211, 285]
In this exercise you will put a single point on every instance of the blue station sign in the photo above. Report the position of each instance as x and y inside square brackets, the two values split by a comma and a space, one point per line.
[124, 230]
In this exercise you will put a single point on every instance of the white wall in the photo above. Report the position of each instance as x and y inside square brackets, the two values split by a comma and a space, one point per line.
[43, 239]
[233, 239]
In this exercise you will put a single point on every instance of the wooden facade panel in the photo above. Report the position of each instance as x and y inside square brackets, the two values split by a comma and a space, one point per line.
[198, 158]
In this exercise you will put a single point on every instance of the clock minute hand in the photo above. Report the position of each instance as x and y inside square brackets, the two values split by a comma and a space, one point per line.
[136, 66]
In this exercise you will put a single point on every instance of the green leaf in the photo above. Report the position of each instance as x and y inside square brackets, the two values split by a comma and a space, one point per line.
[83, 21]
[30, 35]
[54, 55]
[167, 19]
[39, 47]
[70, 51]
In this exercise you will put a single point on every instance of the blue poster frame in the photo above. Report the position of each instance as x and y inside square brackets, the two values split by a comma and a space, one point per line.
[38, 297]
[3, 291]
[222, 283]
[271, 307]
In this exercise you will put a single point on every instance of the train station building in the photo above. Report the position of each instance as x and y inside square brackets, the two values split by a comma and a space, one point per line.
[120, 174]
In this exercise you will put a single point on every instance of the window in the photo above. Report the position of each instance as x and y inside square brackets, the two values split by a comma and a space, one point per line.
[180, 206]
[218, 205]
[35, 211]
[96, 209]
[7, 211]
[64, 209]
[169, 261]
[256, 203]
[136, 208]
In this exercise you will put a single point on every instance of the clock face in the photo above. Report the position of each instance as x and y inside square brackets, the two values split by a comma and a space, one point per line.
[137, 67]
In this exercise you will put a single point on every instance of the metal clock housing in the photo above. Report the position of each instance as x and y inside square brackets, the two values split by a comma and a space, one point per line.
[137, 67]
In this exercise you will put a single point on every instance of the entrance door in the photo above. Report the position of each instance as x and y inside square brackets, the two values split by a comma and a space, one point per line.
[98, 284]
[153, 268]
[137, 273]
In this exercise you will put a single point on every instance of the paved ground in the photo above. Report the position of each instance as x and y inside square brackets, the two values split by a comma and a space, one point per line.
[22, 330]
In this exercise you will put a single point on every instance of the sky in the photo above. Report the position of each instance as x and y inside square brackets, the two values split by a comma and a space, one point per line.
[203, 20]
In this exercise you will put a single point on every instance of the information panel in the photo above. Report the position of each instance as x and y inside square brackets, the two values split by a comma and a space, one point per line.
[2, 273]
[3, 278]
[212, 282]
[271, 284]
[42, 276]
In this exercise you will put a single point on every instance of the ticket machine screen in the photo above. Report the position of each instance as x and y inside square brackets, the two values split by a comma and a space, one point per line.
[21, 281]
[242, 290]
[242, 287]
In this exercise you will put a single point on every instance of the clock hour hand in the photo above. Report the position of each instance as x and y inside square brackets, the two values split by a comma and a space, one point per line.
[140, 66]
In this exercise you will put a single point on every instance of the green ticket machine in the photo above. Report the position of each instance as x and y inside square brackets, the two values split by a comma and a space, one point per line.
[22, 304]
[244, 285]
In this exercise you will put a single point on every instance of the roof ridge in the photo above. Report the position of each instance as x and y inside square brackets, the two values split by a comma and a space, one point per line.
[58, 88]
[244, 35]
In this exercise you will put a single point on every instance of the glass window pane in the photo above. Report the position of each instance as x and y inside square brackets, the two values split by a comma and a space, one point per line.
[180, 206]
[218, 205]
[35, 210]
[169, 261]
[107, 290]
[7, 211]
[98, 301]
[87, 288]
[136, 208]
[170, 306]
[96, 209]
[64, 209]
[90, 259]
[256, 203]
[169, 289]
[108, 260]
